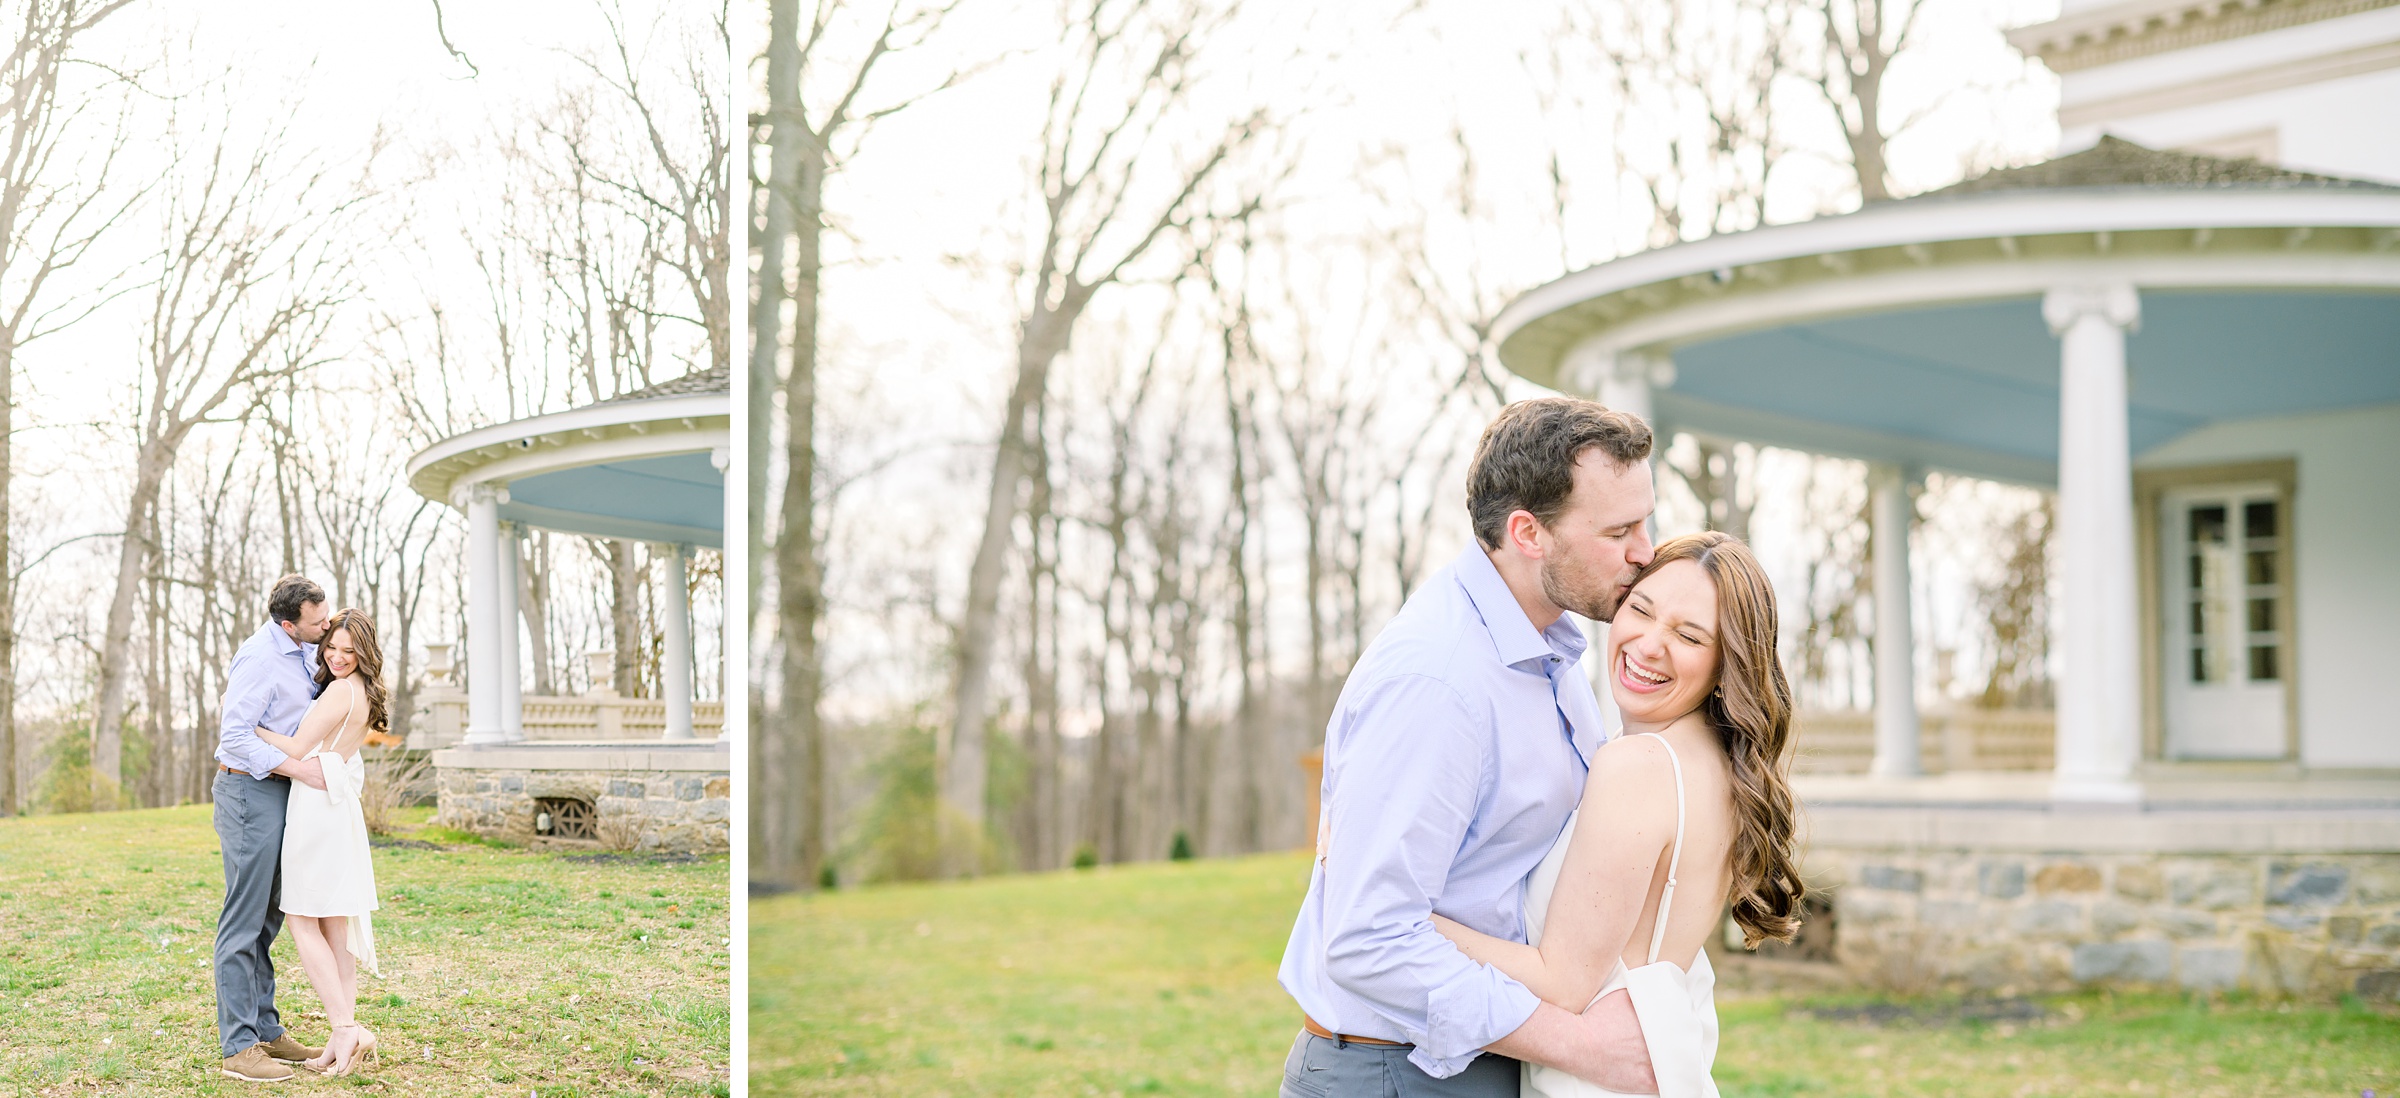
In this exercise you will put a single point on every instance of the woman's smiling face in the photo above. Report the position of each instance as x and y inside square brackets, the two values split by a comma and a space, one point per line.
[340, 653]
[1662, 647]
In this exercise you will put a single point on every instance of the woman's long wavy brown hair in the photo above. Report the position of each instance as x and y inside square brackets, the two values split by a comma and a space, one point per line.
[370, 664]
[1751, 709]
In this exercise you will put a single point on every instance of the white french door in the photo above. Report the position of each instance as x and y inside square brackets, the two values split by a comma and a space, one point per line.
[2224, 580]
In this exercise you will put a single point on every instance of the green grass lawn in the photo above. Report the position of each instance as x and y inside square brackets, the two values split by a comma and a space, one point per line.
[1161, 979]
[505, 971]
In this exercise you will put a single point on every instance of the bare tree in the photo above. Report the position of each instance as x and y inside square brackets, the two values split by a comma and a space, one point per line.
[682, 190]
[1120, 128]
[2015, 605]
[1860, 40]
[1690, 105]
[241, 296]
[52, 209]
[819, 109]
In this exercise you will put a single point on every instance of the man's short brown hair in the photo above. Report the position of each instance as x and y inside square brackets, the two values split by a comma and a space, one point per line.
[290, 594]
[1526, 461]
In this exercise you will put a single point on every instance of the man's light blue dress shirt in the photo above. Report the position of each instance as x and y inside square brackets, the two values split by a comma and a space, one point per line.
[271, 683]
[1458, 748]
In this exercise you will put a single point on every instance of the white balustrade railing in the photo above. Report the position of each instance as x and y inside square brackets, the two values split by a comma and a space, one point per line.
[1828, 741]
[440, 718]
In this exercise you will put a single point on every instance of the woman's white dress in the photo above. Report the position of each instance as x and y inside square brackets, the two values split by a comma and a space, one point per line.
[1678, 1009]
[327, 866]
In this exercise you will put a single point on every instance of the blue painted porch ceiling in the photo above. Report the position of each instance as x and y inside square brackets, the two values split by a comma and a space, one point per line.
[679, 489]
[1985, 375]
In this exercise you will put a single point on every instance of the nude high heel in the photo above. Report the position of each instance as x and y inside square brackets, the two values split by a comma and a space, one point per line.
[362, 1052]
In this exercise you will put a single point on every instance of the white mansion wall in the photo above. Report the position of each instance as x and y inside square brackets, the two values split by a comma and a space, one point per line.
[2348, 555]
[2340, 121]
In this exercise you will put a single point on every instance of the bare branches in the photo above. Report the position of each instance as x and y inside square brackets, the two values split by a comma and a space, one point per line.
[443, 32]
[243, 291]
[54, 206]
[1128, 159]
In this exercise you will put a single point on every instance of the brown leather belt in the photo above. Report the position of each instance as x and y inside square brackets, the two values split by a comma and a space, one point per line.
[224, 769]
[1310, 1024]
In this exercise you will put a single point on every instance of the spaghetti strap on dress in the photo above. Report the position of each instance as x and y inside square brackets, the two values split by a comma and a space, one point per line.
[1677, 1007]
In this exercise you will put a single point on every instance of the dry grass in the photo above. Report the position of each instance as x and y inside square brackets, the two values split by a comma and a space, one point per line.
[506, 971]
[392, 776]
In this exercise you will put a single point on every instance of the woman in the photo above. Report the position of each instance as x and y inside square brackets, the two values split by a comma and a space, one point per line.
[328, 877]
[1687, 810]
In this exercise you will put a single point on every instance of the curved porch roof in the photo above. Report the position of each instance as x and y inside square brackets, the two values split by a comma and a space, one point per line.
[648, 465]
[1911, 331]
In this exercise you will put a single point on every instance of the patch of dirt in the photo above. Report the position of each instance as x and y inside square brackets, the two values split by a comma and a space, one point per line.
[2013, 1009]
[613, 858]
[387, 842]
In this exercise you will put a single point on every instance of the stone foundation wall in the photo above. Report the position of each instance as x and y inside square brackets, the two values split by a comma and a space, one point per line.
[643, 811]
[2274, 923]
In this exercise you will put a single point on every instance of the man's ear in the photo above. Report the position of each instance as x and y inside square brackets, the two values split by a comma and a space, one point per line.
[1522, 534]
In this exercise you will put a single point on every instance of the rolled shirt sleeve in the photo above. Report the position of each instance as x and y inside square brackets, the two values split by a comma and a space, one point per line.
[249, 690]
[1411, 764]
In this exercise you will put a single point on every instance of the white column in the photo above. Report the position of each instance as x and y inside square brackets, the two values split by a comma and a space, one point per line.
[731, 596]
[2099, 710]
[482, 504]
[512, 674]
[1895, 636]
[675, 671]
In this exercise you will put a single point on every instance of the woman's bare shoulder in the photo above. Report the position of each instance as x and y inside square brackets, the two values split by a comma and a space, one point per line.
[1635, 751]
[1629, 766]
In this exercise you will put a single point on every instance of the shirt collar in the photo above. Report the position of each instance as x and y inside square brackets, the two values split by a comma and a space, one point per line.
[1512, 632]
[285, 643]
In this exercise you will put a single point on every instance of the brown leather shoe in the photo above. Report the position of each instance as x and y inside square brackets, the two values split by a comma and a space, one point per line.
[288, 1049]
[253, 1065]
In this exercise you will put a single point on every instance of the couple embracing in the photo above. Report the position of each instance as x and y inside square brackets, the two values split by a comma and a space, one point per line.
[300, 698]
[1508, 898]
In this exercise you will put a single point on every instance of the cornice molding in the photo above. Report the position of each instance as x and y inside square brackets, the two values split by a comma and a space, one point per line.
[2309, 70]
[2122, 32]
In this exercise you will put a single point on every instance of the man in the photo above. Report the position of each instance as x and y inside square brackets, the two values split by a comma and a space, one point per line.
[1453, 757]
[270, 685]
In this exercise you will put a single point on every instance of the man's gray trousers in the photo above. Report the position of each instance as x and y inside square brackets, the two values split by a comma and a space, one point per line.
[249, 819]
[1319, 1067]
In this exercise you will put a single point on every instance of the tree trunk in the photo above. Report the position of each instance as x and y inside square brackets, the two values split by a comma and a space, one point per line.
[533, 603]
[116, 644]
[1042, 802]
[799, 579]
[961, 766]
[158, 768]
[775, 803]
[8, 583]
[625, 617]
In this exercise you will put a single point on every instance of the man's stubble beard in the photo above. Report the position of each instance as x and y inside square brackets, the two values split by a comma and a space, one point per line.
[1599, 605]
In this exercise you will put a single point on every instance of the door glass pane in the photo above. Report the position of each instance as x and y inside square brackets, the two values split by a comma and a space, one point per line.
[2258, 519]
[2262, 615]
[2262, 663]
[2262, 566]
[2216, 592]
